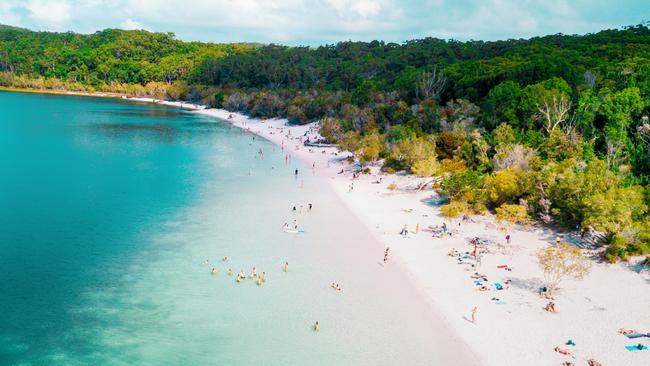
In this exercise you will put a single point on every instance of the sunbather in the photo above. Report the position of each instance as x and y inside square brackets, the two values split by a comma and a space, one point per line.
[626, 331]
[550, 307]
[563, 352]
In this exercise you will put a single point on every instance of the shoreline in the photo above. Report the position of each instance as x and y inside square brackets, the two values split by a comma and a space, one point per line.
[512, 331]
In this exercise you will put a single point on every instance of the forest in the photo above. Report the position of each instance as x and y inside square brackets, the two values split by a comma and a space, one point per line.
[550, 129]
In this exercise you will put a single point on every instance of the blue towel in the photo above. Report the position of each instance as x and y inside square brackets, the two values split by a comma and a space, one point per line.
[498, 286]
[500, 302]
[636, 335]
[635, 348]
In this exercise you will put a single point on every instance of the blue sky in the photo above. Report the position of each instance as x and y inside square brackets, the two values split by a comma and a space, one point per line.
[315, 22]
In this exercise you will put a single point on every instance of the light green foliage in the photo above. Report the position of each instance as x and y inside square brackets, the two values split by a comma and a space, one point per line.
[426, 167]
[504, 135]
[370, 147]
[455, 209]
[509, 214]
[415, 149]
[572, 183]
[560, 262]
[614, 209]
[503, 186]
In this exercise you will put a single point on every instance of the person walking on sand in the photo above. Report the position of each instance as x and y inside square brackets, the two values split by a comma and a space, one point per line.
[508, 239]
[474, 309]
[386, 255]
[351, 188]
[296, 173]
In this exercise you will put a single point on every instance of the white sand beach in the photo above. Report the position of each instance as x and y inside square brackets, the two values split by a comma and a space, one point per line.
[512, 329]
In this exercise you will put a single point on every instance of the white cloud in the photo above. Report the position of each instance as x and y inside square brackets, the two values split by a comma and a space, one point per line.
[131, 24]
[49, 14]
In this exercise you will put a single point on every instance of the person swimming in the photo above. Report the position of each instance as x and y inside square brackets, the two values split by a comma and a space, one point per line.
[225, 259]
[204, 263]
[253, 273]
[229, 271]
[214, 270]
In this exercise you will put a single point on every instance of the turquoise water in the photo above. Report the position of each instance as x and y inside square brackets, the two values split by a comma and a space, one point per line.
[109, 208]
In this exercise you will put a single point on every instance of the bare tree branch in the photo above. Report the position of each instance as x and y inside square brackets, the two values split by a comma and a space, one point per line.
[430, 85]
[554, 113]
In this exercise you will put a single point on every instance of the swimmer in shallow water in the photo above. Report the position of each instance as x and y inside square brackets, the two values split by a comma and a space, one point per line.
[229, 271]
[253, 273]
[225, 259]
[316, 326]
[204, 263]
[286, 267]
[214, 270]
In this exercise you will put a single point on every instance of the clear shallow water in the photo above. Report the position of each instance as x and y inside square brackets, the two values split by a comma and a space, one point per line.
[107, 210]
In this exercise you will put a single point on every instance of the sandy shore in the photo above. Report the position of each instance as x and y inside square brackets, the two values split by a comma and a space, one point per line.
[513, 330]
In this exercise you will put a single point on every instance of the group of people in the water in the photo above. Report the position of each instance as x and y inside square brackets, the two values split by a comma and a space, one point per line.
[260, 279]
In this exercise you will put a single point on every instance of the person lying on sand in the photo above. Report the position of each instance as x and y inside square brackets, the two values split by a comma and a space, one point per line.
[563, 352]
[567, 363]
[628, 331]
[592, 362]
[550, 307]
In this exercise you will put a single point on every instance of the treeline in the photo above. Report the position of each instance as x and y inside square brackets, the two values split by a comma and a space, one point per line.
[106, 57]
[552, 128]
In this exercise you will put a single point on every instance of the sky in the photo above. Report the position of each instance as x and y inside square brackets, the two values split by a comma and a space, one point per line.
[317, 22]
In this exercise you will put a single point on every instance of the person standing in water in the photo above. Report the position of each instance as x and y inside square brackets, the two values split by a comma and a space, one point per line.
[286, 267]
[296, 173]
[316, 326]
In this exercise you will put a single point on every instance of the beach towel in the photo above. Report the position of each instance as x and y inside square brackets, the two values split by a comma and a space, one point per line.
[498, 286]
[637, 335]
[503, 266]
[635, 348]
[500, 302]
